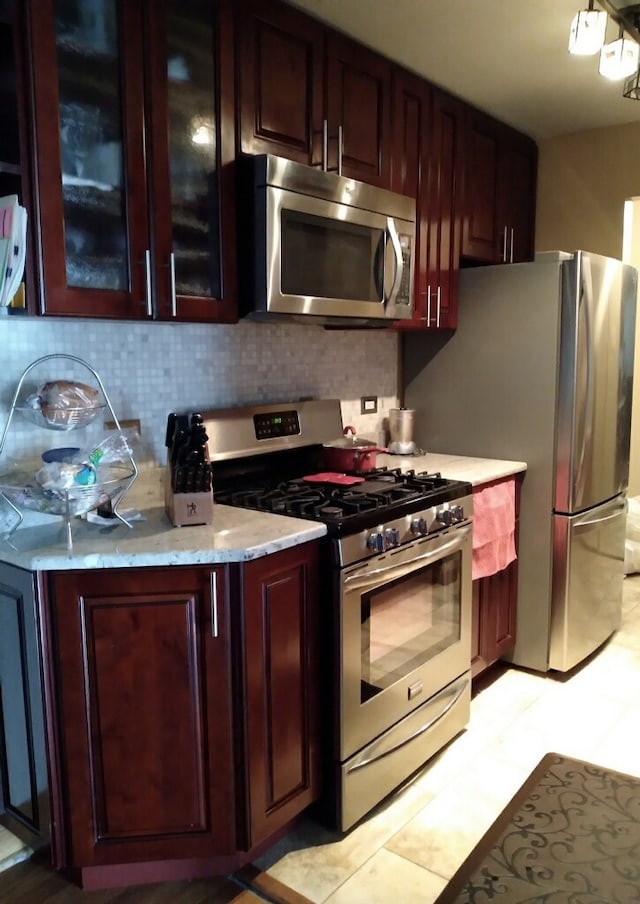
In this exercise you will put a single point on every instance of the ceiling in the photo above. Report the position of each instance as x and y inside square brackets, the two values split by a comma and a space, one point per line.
[508, 57]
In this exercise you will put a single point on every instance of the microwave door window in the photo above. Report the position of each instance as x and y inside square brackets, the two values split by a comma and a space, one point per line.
[327, 258]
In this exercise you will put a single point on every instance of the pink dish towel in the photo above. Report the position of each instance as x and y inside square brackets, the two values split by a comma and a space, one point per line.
[494, 521]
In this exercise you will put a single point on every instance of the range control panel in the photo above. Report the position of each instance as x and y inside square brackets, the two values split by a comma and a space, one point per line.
[277, 423]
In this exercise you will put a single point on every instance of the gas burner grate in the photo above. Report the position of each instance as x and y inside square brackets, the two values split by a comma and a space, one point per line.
[344, 508]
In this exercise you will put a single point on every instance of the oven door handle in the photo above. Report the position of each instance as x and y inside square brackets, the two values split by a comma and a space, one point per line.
[357, 579]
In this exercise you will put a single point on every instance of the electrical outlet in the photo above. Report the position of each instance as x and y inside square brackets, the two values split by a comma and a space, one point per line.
[368, 404]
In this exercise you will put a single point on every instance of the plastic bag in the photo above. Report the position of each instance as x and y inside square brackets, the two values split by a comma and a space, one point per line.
[632, 540]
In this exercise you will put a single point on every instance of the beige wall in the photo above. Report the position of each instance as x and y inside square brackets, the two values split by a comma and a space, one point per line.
[583, 182]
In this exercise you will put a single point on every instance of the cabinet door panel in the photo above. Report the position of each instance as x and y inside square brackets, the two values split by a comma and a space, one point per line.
[142, 648]
[359, 101]
[445, 208]
[518, 203]
[88, 97]
[129, 109]
[190, 159]
[410, 170]
[280, 75]
[24, 806]
[480, 239]
[280, 632]
[145, 703]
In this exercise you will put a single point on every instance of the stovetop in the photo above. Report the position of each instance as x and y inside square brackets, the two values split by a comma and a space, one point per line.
[379, 495]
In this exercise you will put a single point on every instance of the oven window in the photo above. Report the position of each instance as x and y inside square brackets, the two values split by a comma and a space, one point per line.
[408, 622]
[326, 258]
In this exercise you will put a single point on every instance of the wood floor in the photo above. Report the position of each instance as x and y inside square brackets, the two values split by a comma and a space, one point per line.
[35, 882]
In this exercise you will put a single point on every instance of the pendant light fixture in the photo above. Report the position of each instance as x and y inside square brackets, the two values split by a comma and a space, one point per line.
[588, 29]
[632, 86]
[619, 59]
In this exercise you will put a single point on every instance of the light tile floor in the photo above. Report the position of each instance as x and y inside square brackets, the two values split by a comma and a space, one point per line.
[410, 846]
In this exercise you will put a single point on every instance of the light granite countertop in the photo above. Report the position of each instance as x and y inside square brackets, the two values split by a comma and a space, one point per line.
[455, 467]
[236, 535]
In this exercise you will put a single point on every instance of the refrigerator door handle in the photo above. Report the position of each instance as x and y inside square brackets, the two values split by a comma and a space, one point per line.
[621, 508]
[585, 410]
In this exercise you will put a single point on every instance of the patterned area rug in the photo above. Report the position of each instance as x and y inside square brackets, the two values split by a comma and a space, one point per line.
[570, 835]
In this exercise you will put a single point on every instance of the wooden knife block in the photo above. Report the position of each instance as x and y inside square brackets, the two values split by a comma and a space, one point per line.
[186, 508]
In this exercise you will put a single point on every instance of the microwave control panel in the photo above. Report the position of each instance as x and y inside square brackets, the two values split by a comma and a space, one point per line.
[277, 423]
[404, 292]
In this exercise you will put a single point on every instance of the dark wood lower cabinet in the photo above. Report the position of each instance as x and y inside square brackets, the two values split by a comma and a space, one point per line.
[494, 602]
[142, 667]
[24, 797]
[494, 617]
[280, 659]
[182, 710]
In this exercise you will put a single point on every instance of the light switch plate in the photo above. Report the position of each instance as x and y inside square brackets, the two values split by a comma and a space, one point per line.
[368, 404]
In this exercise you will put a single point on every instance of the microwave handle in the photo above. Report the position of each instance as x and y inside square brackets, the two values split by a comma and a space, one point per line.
[393, 243]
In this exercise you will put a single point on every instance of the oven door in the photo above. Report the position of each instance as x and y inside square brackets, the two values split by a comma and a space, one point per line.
[405, 622]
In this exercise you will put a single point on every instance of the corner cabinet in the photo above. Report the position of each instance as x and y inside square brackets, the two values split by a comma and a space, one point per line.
[310, 94]
[499, 192]
[133, 125]
[182, 709]
[428, 166]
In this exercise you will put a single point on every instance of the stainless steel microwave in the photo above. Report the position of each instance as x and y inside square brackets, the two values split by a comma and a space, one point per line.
[325, 246]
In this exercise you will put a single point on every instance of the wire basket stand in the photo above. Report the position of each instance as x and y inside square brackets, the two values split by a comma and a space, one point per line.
[73, 501]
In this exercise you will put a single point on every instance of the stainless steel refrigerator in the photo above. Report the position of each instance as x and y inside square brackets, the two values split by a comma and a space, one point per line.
[540, 370]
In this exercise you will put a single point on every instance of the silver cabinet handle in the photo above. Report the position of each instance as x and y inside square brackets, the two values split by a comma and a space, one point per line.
[325, 144]
[428, 305]
[504, 245]
[439, 296]
[511, 247]
[214, 603]
[340, 148]
[172, 283]
[147, 274]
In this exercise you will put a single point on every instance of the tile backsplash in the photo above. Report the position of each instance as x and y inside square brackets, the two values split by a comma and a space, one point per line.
[149, 369]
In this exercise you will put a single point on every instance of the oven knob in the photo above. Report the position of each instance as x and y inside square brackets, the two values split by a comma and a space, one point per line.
[392, 537]
[419, 526]
[445, 517]
[457, 513]
[375, 541]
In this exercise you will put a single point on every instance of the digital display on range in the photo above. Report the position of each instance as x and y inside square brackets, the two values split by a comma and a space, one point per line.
[280, 423]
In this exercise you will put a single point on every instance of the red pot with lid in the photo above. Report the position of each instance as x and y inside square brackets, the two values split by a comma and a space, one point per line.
[350, 452]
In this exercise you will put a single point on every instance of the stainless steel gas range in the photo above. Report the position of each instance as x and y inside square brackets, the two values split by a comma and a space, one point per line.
[397, 586]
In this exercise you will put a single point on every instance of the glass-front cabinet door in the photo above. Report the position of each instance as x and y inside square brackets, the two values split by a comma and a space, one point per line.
[132, 169]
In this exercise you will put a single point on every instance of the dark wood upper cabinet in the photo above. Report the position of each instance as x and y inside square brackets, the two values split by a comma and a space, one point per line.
[280, 65]
[427, 165]
[412, 128]
[517, 199]
[358, 111]
[445, 209]
[310, 94]
[499, 191]
[134, 150]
